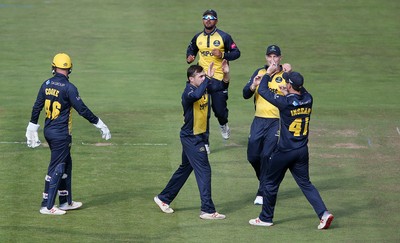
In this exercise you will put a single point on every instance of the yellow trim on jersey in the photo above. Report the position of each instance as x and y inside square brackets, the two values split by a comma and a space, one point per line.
[200, 112]
[70, 122]
[265, 109]
[205, 52]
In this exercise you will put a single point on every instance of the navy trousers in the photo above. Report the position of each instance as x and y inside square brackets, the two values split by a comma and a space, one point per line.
[297, 162]
[261, 143]
[194, 158]
[59, 172]
[220, 106]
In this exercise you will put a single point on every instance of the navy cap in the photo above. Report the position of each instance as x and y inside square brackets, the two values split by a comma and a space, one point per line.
[274, 49]
[295, 79]
[210, 12]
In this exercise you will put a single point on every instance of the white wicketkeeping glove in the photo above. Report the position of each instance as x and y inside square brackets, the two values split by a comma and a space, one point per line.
[105, 132]
[32, 138]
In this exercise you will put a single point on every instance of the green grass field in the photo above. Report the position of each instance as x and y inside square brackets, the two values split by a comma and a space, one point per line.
[129, 66]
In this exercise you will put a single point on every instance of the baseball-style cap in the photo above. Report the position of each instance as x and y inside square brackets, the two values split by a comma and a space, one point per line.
[274, 49]
[295, 79]
[210, 12]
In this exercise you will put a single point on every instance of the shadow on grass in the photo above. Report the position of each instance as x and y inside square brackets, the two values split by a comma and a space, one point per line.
[109, 198]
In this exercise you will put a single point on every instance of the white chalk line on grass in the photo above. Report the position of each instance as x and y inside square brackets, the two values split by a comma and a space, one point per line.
[100, 144]
[398, 131]
[12, 142]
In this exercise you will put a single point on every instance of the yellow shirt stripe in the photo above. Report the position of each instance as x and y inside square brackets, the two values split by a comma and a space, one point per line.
[200, 112]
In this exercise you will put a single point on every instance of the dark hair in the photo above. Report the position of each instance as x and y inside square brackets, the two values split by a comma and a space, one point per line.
[193, 69]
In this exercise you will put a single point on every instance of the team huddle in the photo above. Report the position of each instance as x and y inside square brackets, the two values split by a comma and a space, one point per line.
[278, 139]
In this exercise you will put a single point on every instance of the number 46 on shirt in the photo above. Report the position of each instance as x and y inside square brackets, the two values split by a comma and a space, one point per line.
[52, 109]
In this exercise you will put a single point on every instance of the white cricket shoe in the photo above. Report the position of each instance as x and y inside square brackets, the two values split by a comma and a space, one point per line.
[207, 148]
[215, 215]
[258, 200]
[163, 206]
[258, 222]
[325, 221]
[225, 131]
[72, 206]
[52, 211]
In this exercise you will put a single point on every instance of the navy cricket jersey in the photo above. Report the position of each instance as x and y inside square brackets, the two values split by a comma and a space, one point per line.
[295, 111]
[195, 103]
[58, 96]
[204, 44]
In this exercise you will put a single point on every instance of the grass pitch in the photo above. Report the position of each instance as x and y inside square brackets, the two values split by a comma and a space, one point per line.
[129, 66]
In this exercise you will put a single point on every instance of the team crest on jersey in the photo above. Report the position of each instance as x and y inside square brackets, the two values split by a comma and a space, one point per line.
[217, 43]
[47, 82]
[202, 149]
[295, 103]
[279, 80]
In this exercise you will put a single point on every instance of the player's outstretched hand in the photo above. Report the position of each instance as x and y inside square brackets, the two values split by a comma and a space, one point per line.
[105, 132]
[225, 66]
[286, 67]
[32, 138]
[225, 69]
[211, 70]
[256, 81]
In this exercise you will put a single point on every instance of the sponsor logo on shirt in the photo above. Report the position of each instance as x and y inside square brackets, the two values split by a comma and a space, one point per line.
[206, 53]
[57, 84]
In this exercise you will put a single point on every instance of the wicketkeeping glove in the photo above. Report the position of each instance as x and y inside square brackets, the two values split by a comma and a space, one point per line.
[32, 138]
[105, 132]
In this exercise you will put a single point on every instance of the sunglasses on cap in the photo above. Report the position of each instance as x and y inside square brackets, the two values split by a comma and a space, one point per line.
[209, 17]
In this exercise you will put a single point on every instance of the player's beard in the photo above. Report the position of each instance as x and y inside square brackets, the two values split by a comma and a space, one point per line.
[210, 27]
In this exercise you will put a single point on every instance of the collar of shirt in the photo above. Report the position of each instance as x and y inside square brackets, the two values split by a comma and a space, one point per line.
[211, 33]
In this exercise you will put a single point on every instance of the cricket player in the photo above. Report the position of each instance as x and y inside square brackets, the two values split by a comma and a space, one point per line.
[295, 107]
[195, 103]
[263, 135]
[58, 96]
[214, 45]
